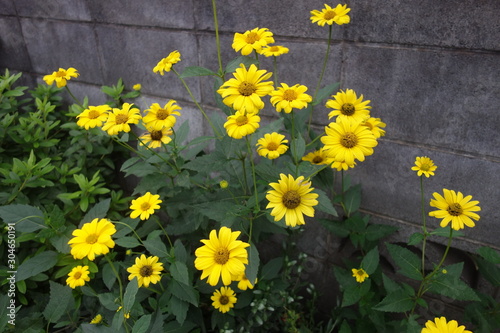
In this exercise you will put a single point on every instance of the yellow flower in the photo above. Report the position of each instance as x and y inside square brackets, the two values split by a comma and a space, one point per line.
[94, 238]
[272, 145]
[241, 124]
[223, 184]
[329, 15]
[424, 166]
[222, 256]
[244, 283]
[342, 165]
[359, 274]
[155, 139]
[125, 315]
[287, 98]
[318, 157]
[159, 117]
[455, 208]
[94, 116]
[274, 50]
[146, 269]
[97, 319]
[224, 299]
[137, 86]
[375, 125]
[251, 40]
[244, 91]
[347, 106]
[292, 199]
[78, 276]
[61, 76]
[145, 206]
[439, 325]
[120, 119]
[346, 141]
[166, 64]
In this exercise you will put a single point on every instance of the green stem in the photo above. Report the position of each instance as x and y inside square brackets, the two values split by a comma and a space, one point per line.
[217, 39]
[294, 146]
[165, 233]
[424, 224]
[253, 175]
[119, 283]
[245, 187]
[73, 96]
[275, 71]
[155, 153]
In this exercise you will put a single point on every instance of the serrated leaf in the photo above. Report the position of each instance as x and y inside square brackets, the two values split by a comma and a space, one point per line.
[35, 265]
[60, 297]
[490, 271]
[450, 285]
[191, 71]
[409, 263]
[375, 232]
[353, 293]
[108, 276]
[27, 218]
[178, 308]
[142, 324]
[180, 251]
[416, 238]
[253, 263]
[129, 296]
[389, 285]
[352, 199]
[127, 242]
[97, 211]
[370, 261]
[334, 227]
[396, 301]
[235, 63]
[184, 292]
[155, 246]
[325, 92]
[272, 268]
[324, 203]
[179, 272]
[489, 254]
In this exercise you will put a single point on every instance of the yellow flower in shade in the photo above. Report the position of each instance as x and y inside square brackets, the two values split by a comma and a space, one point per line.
[454, 208]
[287, 98]
[223, 184]
[250, 40]
[222, 256]
[318, 157]
[342, 165]
[78, 276]
[359, 274]
[137, 86]
[120, 119]
[146, 269]
[272, 145]
[241, 124]
[329, 15]
[347, 106]
[347, 141]
[224, 299]
[424, 166]
[155, 139]
[244, 283]
[94, 116]
[166, 64]
[244, 91]
[125, 315]
[159, 117]
[274, 50]
[291, 198]
[61, 77]
[144, 206]
[94, 238]
[440, 325]
[97, 319]
[375, 125]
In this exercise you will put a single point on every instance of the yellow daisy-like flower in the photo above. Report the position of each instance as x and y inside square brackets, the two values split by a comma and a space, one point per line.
[224, 299]
[120, 119]
[454, 208]
[155, 139]
[287, 98]
[145, 206]
[440, 325]
[166, 64]
[223, 184]
[359, 274]
[94, 116]
[61, 77]
[94, 238]
[244, 91]
[274, 50]
[146, 269]
[222, 256]
[137, 86]
[159, 117]
[97, 319]
[329, 15]
[318, 157]
[291, 198]
[375, 125]
[347, 106]
[272, 145]
[342, 165]
[244, 283]
[241, 124]
[78, 276]
[346, 141]
[250, 40]
[424, 166]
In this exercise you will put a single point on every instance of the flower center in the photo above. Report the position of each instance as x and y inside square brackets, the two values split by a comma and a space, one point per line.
[93, 114]
[91, 239]
[361, 272]
[455, 209]
[241, 120]
[61, 73]
[272, 146]
[330, 14]
[146, 271]
[162, 114]
[425, 167]
[317, 159]
[349, 140]
[291, 199]
[252, 37]
[224, 300]
[156, 135]
[246, 88]
[77, 275]
[145, 206]
[121, 118]
[221, 256]
[347, 109]
[274, 48]
[289, 95]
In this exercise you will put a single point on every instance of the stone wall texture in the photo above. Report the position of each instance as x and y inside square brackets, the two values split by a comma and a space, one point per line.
[430, 68]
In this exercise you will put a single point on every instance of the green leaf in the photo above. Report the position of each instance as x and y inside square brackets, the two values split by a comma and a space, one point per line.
[450, 285]
[300, 147]
[98, 211]
[155, 246]
[127, 242]
[108, 276]
[324, 203]
[178, 308]
[389, 285]
[129, 296]
[235, 63]
[60, 297]
[179, 272]
[396, 301]
[272, 268]
[27, 218]
[142, 324]
[334, 227]
[352, 199]
[375, 232]
[35, 265]
[180, 251]
[409, 263]
[489, 254]
[353, 293]
[325, 92]
[253, 263]
[490, 271]
[184, 292]
[191, 71]
[416, 238]
[370, 261]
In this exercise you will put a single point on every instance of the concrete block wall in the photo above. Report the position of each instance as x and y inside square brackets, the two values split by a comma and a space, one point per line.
[430, 68]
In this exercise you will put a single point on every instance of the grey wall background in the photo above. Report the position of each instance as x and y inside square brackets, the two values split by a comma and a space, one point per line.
[430, 68]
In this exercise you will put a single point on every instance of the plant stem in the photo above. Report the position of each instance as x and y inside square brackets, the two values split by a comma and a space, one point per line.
[164, 232]
[294, 146]
[217, 39]
[275, 71]
[424, 242]
[119, 283]
[73, 96]
[253, 175]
